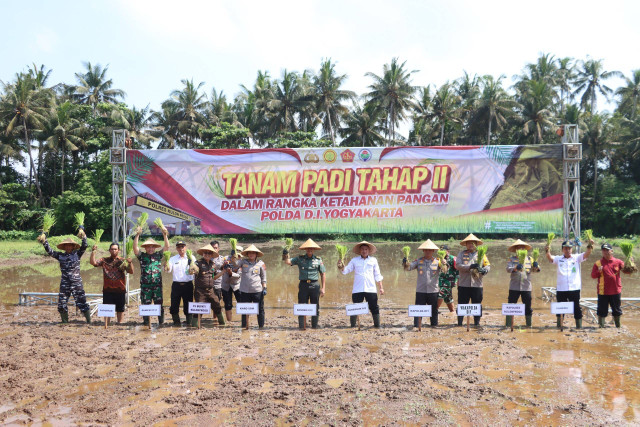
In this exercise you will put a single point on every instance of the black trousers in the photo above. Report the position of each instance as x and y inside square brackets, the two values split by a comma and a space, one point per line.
[526, 300]
[253, 297]
[181, 291]
[423, 298]
[372, 300]
[604, 301]
[573, 296]
[468, 295]
[309, 293]
[227, 296]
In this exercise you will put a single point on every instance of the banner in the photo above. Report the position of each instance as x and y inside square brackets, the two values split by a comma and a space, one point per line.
[483, 189]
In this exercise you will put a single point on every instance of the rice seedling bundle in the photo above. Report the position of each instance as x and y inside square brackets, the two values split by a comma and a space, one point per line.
[441, 254]
[629, 265]
[48, 221]
[535, 255]
[550, 238]
[234, 244]
[128, 250]
[97, 234]
[522, 255]
[482, 251]
[140, 222]
[342, 251]
[160, 225]
[288, 244]
[587, 236]
[192, 268]
[165, 258]
[78, 223]
[406, 251]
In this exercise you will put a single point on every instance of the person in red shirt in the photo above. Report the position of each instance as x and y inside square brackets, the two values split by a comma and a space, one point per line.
[114, 287]
[607, 271]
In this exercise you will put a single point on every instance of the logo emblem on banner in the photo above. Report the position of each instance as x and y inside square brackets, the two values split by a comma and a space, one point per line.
[347, 156]
[365, 155]
[311, 158]
[330, 156]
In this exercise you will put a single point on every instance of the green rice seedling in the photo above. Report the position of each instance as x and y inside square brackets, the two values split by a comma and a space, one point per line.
[587, 235]
[288, 244]
[535, 255]
[441, 254]
[128, 251]
[522, 255]
[482, 252]
[234, 244]
[97, 234]
[406, 251]
[141, 222]
[550, 238]
[78, 222]
[165, 258]
[629, 265]
[160, 225]
[48, 221]
[342, 251]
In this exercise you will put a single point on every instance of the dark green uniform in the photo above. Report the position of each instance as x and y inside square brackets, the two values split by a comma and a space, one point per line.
[309, 288]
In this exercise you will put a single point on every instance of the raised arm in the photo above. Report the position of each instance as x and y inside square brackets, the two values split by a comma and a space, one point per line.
[165, 235]
[92, 259]
[136, 249]
[547, 252]
[83, 246]
[51, 252]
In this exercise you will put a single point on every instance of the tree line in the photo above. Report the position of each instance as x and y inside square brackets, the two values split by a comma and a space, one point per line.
[61, 132]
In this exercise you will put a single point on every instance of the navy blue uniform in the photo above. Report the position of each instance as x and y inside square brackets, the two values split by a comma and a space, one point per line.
[70, 282]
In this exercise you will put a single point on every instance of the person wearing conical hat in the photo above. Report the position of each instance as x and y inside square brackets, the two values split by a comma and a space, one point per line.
[70, 280]
[206, 274]
[367, 275]
[470, 284]
[150, 271]
[429, 269]
[253, 280]
[230, 283]
[311, 273]
[520, 283]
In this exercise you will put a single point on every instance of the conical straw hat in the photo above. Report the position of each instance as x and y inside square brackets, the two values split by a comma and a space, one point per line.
[471, 238]
[372, 248]
[310, 244]
[207, 248]
[68, 241]
[151, 242]
[252, 248]
[428, 245]
[519, 242]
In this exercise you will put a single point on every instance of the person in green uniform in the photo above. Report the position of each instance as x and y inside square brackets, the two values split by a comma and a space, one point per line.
[150, 272]
[312, 278]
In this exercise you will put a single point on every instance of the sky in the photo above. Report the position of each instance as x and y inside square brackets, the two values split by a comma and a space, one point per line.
[150, 46]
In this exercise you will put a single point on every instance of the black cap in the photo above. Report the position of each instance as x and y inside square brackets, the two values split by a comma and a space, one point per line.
[181, 243]
[606, 246]
[445, 247]
[567, 244]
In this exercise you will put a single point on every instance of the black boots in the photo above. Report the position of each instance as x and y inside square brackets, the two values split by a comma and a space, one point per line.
[376, 320]
[176, 319]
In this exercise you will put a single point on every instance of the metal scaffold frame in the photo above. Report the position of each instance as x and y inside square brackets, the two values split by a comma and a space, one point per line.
[571, 157]
[118, 161]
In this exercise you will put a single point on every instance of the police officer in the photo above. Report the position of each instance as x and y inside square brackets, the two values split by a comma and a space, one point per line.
[470, 284]
[520, 280]
[312, 278]
[429, 270]
[253, 280]
[70, 281]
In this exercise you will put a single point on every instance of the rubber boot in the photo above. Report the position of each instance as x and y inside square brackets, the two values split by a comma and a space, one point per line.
[558, 322]
[64, 316]
[415, 322]
[508, 321]
[161, 319]
[460, 319]
[578, 323]
[353, 320]
[243, 323]
[194, 321]
[189, 319]
[87, 315]
[301, 322]
[314, 322]
[261, 321]
[601, 321]
[145, 320]
[616, 319]
[528, 320]
[220, 317]
[476, 320]
[176, 319]
[376, 320]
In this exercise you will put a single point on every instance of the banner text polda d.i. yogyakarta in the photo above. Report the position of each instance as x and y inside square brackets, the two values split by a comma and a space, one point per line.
[387, 180]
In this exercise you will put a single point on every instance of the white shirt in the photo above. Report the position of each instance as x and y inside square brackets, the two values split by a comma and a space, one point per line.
[568, 272]
[367, 273]
[178, 266]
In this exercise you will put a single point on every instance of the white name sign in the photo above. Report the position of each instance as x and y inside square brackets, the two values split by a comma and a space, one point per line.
[305, 310]
[513, 309]
[149, 310]
[469, 310]
[357, 309]
[106, 310]
[247, 308]
[199, 307]
[562, 307]
[419, 311]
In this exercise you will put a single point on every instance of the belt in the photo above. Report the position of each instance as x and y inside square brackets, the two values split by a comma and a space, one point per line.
[308, 281]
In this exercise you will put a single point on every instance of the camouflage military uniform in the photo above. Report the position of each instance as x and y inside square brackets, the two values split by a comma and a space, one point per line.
[448, 280]
[70, 282]
[150, 278]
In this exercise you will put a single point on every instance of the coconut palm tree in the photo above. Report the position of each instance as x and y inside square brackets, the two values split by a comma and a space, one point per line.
[565, 75]
[138, 123]
[495, 105]
[62, 133]
[189, 106]
[630, 94]
[590, 81]
[446, 107]
[93, 86]
[286, 102]
[330, 98]
[164, 125]
[536, 101]
[362, 126]
[393, 93]
[597, 139]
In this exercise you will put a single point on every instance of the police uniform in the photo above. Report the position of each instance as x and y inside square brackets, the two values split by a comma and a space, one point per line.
[230, 284]
[427, 288]
[253, 275]
[470, 287]
[70, 280]
[520, 281]
[309, 271]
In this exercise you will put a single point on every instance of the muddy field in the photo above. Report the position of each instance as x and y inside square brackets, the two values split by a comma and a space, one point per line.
[126, 374]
